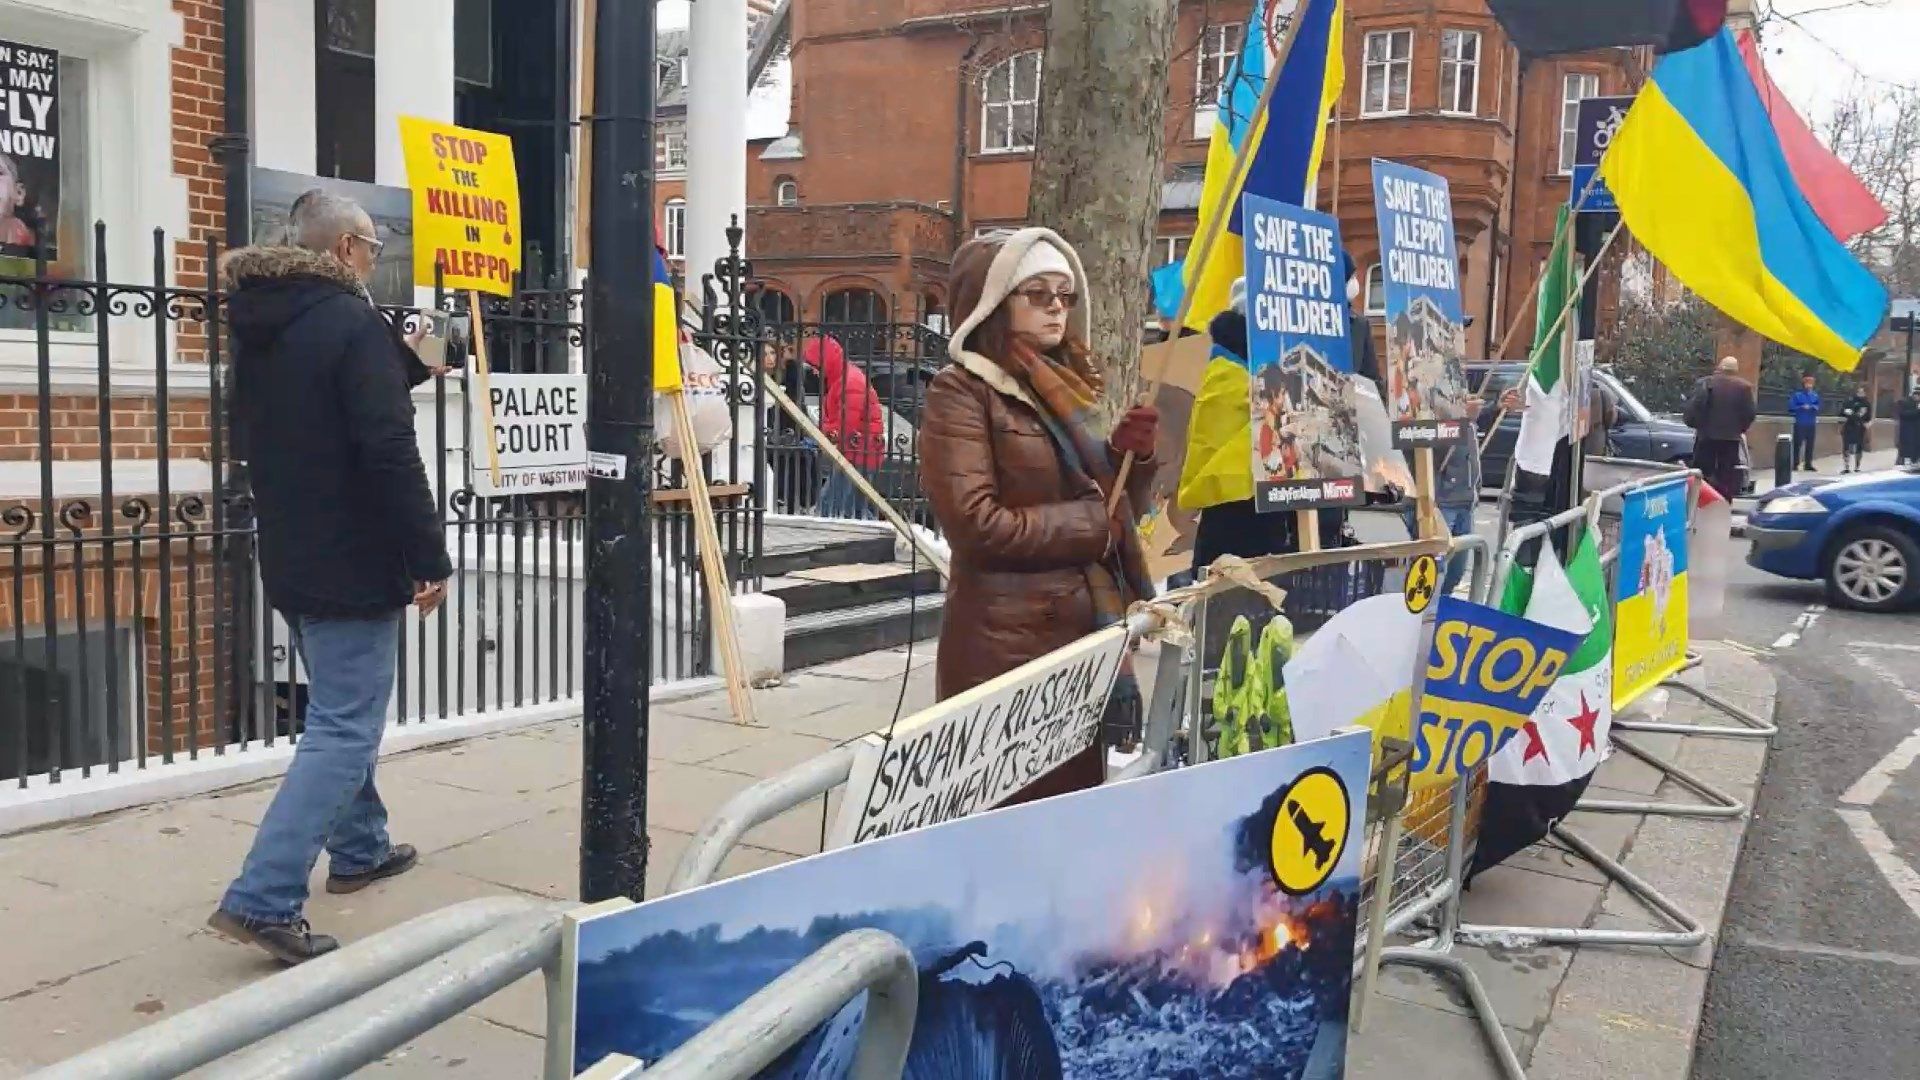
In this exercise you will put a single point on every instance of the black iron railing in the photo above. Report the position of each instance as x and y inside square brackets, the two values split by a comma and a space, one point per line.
[133, 629]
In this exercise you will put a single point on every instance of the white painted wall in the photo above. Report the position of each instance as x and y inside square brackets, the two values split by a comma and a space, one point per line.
[412, 76]
[716, 132]
[281, 50]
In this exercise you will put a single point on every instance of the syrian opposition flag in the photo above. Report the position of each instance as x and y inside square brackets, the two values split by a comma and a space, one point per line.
[1545, 421]
[1544, 770]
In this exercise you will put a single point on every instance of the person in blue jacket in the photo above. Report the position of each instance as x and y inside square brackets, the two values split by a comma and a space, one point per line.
[1805, 407]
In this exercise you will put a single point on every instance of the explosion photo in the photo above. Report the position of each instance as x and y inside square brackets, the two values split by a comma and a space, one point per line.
[1198, 923]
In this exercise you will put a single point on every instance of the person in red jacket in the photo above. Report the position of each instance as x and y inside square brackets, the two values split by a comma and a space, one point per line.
[850, 416]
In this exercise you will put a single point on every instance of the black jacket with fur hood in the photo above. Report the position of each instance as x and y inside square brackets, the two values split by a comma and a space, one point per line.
[322, 412]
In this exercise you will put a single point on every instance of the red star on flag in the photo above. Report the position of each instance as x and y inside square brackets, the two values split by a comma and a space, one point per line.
[1584, 722]
[1536, 748]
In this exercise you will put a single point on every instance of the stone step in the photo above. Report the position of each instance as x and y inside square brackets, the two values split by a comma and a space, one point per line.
[832, 588]
[821, 637]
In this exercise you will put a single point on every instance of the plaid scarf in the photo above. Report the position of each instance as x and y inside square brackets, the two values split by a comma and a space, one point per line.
[1066, 410]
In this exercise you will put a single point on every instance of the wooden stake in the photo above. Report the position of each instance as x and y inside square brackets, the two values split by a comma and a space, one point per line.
[879, 501]
[1307, 524]
[486, 388]
[1425, 508]
[712, 566]
[583, 198]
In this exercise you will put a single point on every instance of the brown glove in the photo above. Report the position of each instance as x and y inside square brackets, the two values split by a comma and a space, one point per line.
[1137, 432]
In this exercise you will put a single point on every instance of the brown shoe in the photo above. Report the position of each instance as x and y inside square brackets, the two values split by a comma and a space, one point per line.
[400, 859]
[289, 942]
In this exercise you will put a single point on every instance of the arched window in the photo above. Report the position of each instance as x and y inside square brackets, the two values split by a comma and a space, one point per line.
[674, 228]
[1010, 105]
[1376, 291]
[776, 308]
[853, 307]
[786, 193]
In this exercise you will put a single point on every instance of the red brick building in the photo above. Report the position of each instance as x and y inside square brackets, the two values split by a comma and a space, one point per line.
[912, 126]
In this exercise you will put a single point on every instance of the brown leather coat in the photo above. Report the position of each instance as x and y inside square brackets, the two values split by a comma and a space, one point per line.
[1022, 532]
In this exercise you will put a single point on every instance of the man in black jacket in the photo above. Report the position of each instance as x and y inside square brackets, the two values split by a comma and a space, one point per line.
[1720, 412]
[349, 537]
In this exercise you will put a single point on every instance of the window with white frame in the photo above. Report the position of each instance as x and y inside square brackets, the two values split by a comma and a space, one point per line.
[1010, 105]
[786, 193]
[1577, 87]
[1376, 291]
[673, 150]
[61, 212]
[675, 227]
[1173, 249]
[1460, 72]
[1219, 53]
[1389, 73]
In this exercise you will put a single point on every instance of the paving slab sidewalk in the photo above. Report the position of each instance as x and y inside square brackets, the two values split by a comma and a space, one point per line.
[103, 918]
[1593, 1011]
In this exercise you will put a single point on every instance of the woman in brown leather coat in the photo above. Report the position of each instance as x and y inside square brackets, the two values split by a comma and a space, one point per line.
[1016, 478]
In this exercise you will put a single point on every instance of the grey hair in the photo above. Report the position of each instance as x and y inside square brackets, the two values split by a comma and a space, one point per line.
[318, 220]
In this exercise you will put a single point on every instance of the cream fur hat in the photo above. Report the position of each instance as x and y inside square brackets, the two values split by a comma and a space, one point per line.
[1022, 255]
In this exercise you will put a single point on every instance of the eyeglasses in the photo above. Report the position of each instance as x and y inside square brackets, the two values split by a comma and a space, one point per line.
[374, 244]
[1042, 297]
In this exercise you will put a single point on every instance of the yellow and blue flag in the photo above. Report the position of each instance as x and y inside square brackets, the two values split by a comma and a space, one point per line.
[1704, 184]
[1288, 141]
[1285, 165]
[666, 328]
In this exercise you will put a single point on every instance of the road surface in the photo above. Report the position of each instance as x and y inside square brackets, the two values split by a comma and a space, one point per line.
[1817, 972]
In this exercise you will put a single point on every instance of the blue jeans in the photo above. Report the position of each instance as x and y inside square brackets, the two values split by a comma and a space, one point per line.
[328, 798]
[1459, 521]
[839, 498]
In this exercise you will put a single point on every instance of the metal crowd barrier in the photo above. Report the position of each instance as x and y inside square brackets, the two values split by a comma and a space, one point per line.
[786, 1010]
[333, 1015]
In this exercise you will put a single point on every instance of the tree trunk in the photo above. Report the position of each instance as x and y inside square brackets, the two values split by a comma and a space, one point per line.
[1097, 168]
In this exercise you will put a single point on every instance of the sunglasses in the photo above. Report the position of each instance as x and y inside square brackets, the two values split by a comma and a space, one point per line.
[1042, 297]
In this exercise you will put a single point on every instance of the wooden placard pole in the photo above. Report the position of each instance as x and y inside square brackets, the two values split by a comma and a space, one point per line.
[713, 567]
[583, 198]
[486, 388]
[879, 501]
[1426, 508]
[1307, 524]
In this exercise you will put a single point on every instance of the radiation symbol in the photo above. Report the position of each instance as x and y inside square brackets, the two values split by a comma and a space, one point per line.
[1310, 831]
[1423, 579]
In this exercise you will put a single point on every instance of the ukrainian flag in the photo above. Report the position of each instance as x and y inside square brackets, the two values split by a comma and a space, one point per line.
[666, 328]
[1285, 165]
[1288, 141]
[1703, 183]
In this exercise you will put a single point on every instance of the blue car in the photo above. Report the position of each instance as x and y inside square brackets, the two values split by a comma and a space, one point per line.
[1860, 534]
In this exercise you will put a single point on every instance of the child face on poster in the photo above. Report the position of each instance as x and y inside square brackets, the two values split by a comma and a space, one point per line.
[13, 196]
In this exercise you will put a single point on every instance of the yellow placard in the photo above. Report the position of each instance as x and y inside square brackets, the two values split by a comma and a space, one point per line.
[466, 205]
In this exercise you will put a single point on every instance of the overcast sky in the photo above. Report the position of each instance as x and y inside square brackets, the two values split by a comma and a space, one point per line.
[1817, 60]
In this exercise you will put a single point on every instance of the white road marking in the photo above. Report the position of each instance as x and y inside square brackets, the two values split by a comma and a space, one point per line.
[1880, 849]
[1894, 646]
[1871, 786]
[1800, 626]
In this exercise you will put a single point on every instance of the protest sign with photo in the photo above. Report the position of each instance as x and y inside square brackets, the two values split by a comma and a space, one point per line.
[466, 206]
[273, 193]
[538, 424]
[1306, 431]
[1199, 922]
[1426, 331]
[977, 749]
[29, 150]
[1651, 617]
